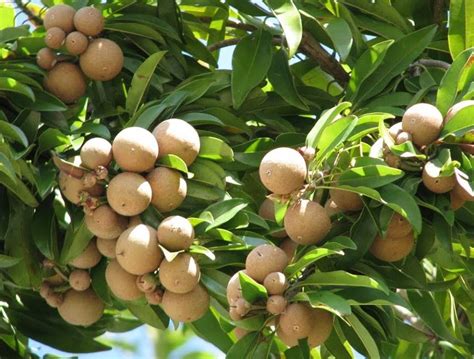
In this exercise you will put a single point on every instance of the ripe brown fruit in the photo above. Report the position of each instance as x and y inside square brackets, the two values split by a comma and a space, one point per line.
[392, 249]
[275, 283]
[289, 247]
[265, 259]
[46, 58]
[322, 327]
[54, 300]
[121, 283]
[81, 308]
[346, 200]
[76, 43]
[155, 297]
[45, 290]
[456, 201]
[186, 307]
[276, 304]
[296, 320]
[392, 160]
[134, 221]
[181, 275]
[89, 258]
[179, 138]
[168, 188]
[60, 16]
[283, 170]
[462, 193]
[456, 108]
[102, 61]
[129, 194]
[135, 149]
[106, 247]
[289, 340]
[72, 188]
[395, 130]
[54, 38]
[104, 222]
[146, 283]
[332, 208]
[67, 82]
[398, 226]
[79, 280]
[96, 152]
[89, 21]
[175, 233]
[234, 290]
[242, 307]
[137, 250]
[424, 122]
[307, 222]
[403, 137]
[267, 211]
[437, 184]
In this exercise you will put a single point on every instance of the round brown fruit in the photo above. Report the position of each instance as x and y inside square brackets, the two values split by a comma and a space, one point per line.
[296, 320]
[177, 137]
[181, 275]
[76, 43]
[275, 283]
[186, 307]
[234, 290]
[54, 300]
[89, 258]
[395, 130]
[129, 194]
[54, 38]
[456, 201]
[289, 247]
[106, 247]
[263, 260]
[403, 137]
[242, 307]
[175, 233]
[104, 222]
[287, 339]
[121, 283]
[154, 298]
[346, 200]
[146, 283]
[79, 280]
[102, 61]
[267, 211]
[137, 250]
[398, 226]
[46, 58]
[307, 222]
[283, 170]
[168, 188]
[462, 193]
[61, 16]
[67, 82]
[276, 304]
[322, 327]
[332, 208]
[135, 149]
[424, 122]
[96, 152]
[72, 188]
[45, 290]
[81, 308]
[437, 184]
[392, 249]
[89, 21]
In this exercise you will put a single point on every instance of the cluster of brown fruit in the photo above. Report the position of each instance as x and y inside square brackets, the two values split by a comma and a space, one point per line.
[137, 266]
[72, 32]
[293, 321]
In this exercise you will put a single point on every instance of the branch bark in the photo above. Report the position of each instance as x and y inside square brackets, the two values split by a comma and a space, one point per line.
[34, 19]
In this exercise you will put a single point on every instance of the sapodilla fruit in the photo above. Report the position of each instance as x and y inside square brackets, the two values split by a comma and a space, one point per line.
[276, 304]
[437, 184]
[234, 290]
[283, 170]
[155, 297]
[104, 222]
[79, 280]
[89, 21]
[322, 327]
[275, 283]
[392, 249]
[424, 122]
[267, 211]
[66, 81]
[46, 58]
[135, 149]
[462, 193]
[54, 299]
[177, 137]
[137, 250]
[346, 200]
[332, 208]
[102, 61]
[168, 188]
[307, 222]
[186, 307]
[96, 152]
[242, 307]
[395, 130]
[106, 247]
[129, 194]
[175, 233]
[81, 308]
[61, 16]
[289, 247]
[134, 221]
[89, 258]
[146, 283]
[263, 260]
[181, 275]
[54, 38]
[398, 226]
[121, 283]
[296, 320]
[76, 43]
[72, 188]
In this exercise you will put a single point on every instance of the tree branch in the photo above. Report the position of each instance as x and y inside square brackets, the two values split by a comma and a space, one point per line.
[431, 63]
[34, 19]
[438, 9]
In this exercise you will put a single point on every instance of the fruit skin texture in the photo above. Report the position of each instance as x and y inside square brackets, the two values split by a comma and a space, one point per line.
[346, 200]
[61, 16]
[89, 21]
[89, 258]
[137, 250]
[67, 82]
[179, 138]
[398, 226]
[267, 211]
[102, 61]
[186, 307]
[322, 327]
[275, 283]
[104, 222]
[289, 247]
[461, 193]
[46, 58]
[181, 275]
[121, 283]
[71, 188]
[332, 208]
[263, 260]
[276, 304]
[437, 184]
[76, 43]
[106, 247]
[135, 149]
[283, 170]
[392, 249]
[129, 194]
[81, 308]
[96, 152]
[424, 122]
[296, 320]
[175, 233]
[168, 188]
[54, 38]
[307, 222]
[234, 290]
[79, 280]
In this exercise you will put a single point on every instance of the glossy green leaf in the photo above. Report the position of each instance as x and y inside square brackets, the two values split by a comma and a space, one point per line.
[243, 347]
[7, 261]
[12, 33]
[334, 135]
[364, 335]
[251, 290]
[326, 300]
[460, 123]
[9, 84]
[372, 176]
[217, 335]
[224, 211]
[174, 162]
[289, 17]
[135, 29]
[151, 315]
[6, 167]
[214, 148]
[461, 26]
[44, 231]
[13, 132]
[341, 36]
[76, 240]
[309, 258]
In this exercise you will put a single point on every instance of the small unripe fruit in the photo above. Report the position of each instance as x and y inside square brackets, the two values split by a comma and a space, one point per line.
[395, 130]
[81, 308]
[60, 16]
[76, 43]
[296, 320]
[398, 226]
[121, 283]
[403, 137]
[66, 81]
[392, 160]
[155, 297]
[54, 300]
[46, 58]
[55, 38]
[424, 122]
[234, 290]
[79, 280]
[283, 170]
[146, 283]
[186, 307]
[89, 258]
[456, 201]
[45, 290]
[89, 21]
[264, 260]
[275, 283]
[289, 247]
[102, 61]
[135, 149]
[106, 247]
[96, 152]
[104, 222]
[392, 249]
[242, 307]
[129, 194]
[175, 233]
[181, 275]
[346, 200]
[308, 153]
[276, 304]
[437, 184]
[168, 188]
[72, 188]
[267, 211]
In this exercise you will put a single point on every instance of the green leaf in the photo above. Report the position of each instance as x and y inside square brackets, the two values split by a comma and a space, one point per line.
[76, 240]
[135, 29]
[151, 315]
[341, 36]
[460, 123]
[335, 134]
[372, 176]
[7, 168]
[217, 335]
[289, 17]
[174, 162]
[325, 300]
[251, 290]
[11, 85]
[197, 119]
[43, 229]
[13, 132]
[309, 258]
[97, 129]
[461, 26]
[141, 81]
[19, 189]
[243, 347]
[50, 139]
[12, 33]
[364, 335]
[7, 261]
[224, 211]
[368, 296]
[214, 148]
[7, 16]
[250, 62]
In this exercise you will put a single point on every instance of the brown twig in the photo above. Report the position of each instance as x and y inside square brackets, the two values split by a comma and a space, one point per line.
[34, 19]
[438, 9]
[432, 63]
